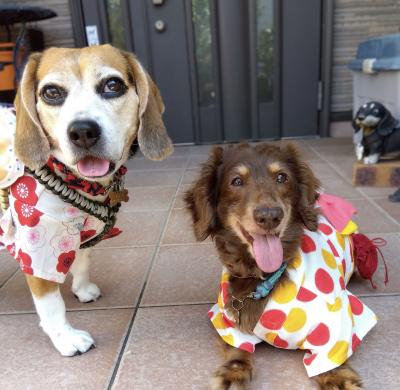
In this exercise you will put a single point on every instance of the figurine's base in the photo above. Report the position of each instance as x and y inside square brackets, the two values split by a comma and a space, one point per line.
[383, 174]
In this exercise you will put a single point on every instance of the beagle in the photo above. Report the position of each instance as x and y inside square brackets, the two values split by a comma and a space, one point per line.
[78, 115]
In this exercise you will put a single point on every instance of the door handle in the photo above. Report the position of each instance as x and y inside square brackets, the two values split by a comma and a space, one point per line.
[160, 26]
[158, 2]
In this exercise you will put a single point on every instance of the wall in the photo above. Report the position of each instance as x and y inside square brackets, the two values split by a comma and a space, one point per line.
[355, 21]
[57, 31]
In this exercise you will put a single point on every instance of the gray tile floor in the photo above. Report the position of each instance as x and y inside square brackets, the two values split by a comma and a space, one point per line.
[151, 325]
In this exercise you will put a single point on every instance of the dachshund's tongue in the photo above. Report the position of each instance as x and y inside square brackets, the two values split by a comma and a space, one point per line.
[268, 252]
[93, 166]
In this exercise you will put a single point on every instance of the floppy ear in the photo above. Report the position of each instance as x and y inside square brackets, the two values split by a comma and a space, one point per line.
[386, 125]
[31, 144]
[153, 139]
[201, 199]
[307, 186]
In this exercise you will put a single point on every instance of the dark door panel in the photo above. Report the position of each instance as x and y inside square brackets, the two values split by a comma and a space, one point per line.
[227, 69]
[300, 67]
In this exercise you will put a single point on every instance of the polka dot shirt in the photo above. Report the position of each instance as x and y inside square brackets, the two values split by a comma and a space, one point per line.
[312, 310]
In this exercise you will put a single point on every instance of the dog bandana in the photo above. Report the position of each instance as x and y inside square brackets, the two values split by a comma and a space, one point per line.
[39, 229]
[312, 310]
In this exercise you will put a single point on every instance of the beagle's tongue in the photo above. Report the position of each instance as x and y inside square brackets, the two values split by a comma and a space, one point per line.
[93, 166]
[268, 252]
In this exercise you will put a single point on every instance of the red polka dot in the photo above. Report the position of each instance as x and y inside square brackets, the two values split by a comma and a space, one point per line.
[305, 295]
[224, 290]
[355, 342]
[319, 336]
[210, 314]
[342, 283]
[323, 281]
[307, 244]
[273, 319]
[227, 321]
[324, 228]
[278, 342]
[344, 266]
[249, 347]
[356, 305]
[308, 360]
[333, 249]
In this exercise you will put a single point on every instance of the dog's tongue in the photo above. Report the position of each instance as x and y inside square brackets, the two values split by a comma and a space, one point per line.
[93, 166]
[268, 252]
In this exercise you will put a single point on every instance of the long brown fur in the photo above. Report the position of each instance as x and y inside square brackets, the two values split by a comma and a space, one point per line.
[215, 207]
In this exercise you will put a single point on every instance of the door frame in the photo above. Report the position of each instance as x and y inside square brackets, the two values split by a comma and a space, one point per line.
[136, 38]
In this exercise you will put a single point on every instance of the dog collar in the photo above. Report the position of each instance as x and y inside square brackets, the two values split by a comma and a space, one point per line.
[261, 291]
[72, 181]
[106, 211]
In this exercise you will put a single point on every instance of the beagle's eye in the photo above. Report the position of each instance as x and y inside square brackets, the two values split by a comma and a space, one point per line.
[112, 88]
[237, 182]
[53, 95]
[281, 178]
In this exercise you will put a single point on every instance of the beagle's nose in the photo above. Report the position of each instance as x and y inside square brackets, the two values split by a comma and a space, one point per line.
[268, 217]
[84, 133]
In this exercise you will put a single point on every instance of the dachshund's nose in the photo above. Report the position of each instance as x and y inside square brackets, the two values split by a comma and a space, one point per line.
[84, 133]
[268, 217]
[361, 117]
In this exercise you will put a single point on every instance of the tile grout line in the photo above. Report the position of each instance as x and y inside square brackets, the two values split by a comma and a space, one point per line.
[9, 278]
[118, 361]
[364, 196]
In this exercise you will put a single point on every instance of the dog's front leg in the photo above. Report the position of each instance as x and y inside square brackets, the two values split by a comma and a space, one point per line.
[50, 307]
[236, 372]
[83, 289]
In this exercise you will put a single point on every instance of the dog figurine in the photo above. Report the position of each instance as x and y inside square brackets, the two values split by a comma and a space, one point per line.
[287, 256]
[375, 133]
[79, 113]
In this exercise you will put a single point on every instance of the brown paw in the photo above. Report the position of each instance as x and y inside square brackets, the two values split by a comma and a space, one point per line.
[232, 375]
[341, 378]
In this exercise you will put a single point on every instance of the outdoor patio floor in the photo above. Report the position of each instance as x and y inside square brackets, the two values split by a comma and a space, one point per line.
[151, 326]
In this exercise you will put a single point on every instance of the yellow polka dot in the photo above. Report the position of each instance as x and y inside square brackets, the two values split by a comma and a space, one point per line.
[225, 277]
[339, 352]
[329, 259]
[228, 339]
[340, 239]
[340, 268]
[270, 337]
[295, 320]
[219, 302]
[350, 228]
[284, 292]
[336, 306]
[350, 313]
[218, 322]
[296, 262]
[300, 344]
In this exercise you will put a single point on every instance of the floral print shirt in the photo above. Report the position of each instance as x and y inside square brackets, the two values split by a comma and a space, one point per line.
[39, 229]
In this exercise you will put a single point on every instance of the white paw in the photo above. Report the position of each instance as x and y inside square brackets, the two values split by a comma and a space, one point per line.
[359, 152]
[71, 342]
[87, 293]
[371, 159]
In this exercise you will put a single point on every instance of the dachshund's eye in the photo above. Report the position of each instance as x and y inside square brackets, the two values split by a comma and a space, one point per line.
[237, 182]
[53, 94]
[281, 178]
[376, 111]
[113, 87]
